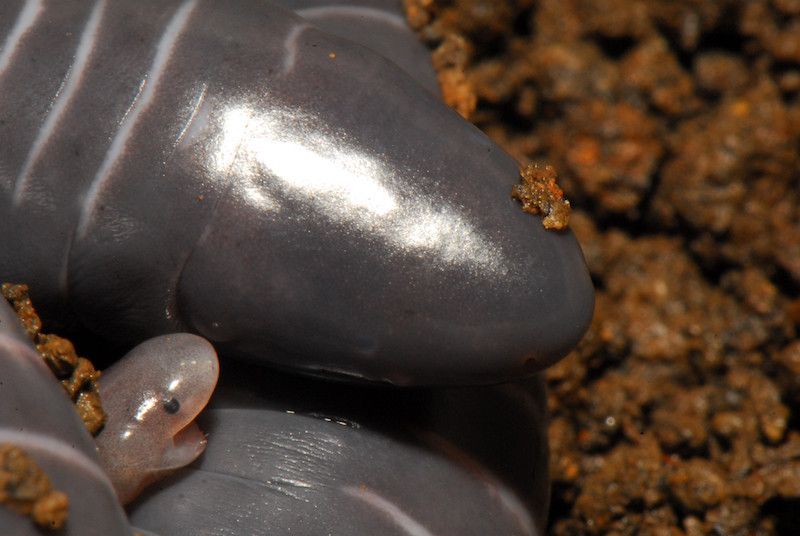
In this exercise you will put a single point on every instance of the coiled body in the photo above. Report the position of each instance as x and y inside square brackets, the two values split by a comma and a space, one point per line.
[291, 196]
[296, 455]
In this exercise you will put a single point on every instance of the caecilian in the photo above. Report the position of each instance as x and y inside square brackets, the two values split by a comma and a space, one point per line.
[151, 397]
[230, 170]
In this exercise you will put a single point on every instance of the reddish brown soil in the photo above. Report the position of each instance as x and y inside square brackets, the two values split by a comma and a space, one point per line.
[674, 127]
[27, 490]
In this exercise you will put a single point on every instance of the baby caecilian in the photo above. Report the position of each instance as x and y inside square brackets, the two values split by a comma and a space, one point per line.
[151, 397]
[297, 199]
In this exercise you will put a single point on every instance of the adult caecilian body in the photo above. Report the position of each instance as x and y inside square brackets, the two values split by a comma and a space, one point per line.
[291, 455]
[295, 198]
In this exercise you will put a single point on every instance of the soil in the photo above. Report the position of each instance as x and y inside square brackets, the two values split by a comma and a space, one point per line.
[26, 489]
[538, 193]
[674, 127]
[77, 375]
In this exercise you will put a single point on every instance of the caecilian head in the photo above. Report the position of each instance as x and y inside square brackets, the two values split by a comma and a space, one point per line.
[152, 397]
[361, 230]
[409, 263]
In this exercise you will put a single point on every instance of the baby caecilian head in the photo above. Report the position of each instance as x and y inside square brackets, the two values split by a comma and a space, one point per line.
[152, 397]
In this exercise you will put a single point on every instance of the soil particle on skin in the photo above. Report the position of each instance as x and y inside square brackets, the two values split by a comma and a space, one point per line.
[77, 375]
[539, 194]
[26, 489]
[674, 127]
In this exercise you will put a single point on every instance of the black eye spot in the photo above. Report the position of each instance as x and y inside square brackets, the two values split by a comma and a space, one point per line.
[172, 406]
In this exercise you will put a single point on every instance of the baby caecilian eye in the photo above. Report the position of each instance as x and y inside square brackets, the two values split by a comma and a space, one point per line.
[172, 406]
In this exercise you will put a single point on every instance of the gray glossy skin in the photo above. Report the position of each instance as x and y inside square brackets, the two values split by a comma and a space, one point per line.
[297, 456]
[379, 25]
[449, 433]
[175, 165]
[36, 415]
